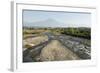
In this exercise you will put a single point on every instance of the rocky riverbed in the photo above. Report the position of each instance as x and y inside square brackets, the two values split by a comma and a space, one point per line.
[53, 47]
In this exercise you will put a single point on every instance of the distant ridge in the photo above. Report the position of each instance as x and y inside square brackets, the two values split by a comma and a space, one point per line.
[51, 23]
[45, 23]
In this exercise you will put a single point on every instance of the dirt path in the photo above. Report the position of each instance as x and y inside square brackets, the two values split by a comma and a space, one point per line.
[55, 51]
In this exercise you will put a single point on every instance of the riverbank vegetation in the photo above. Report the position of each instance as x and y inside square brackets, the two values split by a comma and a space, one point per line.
[82, 32]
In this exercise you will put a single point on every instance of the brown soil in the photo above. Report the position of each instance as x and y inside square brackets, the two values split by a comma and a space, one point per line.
[55, 51]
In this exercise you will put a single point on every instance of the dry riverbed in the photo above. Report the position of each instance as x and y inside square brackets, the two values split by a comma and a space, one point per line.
[55, 51]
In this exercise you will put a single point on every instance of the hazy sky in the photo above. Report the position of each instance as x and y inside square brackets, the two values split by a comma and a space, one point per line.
[68, 18]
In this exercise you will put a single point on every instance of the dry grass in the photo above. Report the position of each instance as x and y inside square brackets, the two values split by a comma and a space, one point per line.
[34, 41]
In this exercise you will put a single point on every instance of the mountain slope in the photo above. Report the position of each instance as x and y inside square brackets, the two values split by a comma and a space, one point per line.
[45, 23]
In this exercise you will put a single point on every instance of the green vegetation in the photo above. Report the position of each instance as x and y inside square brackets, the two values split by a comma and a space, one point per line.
[77, 32]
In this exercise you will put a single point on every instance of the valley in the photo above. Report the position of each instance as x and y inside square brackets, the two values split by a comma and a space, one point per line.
[56, 44]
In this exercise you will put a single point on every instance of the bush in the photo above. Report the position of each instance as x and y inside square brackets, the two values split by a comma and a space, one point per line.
[78, 32]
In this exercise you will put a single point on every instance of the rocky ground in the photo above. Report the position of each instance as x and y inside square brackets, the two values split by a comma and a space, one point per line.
[55, 48]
